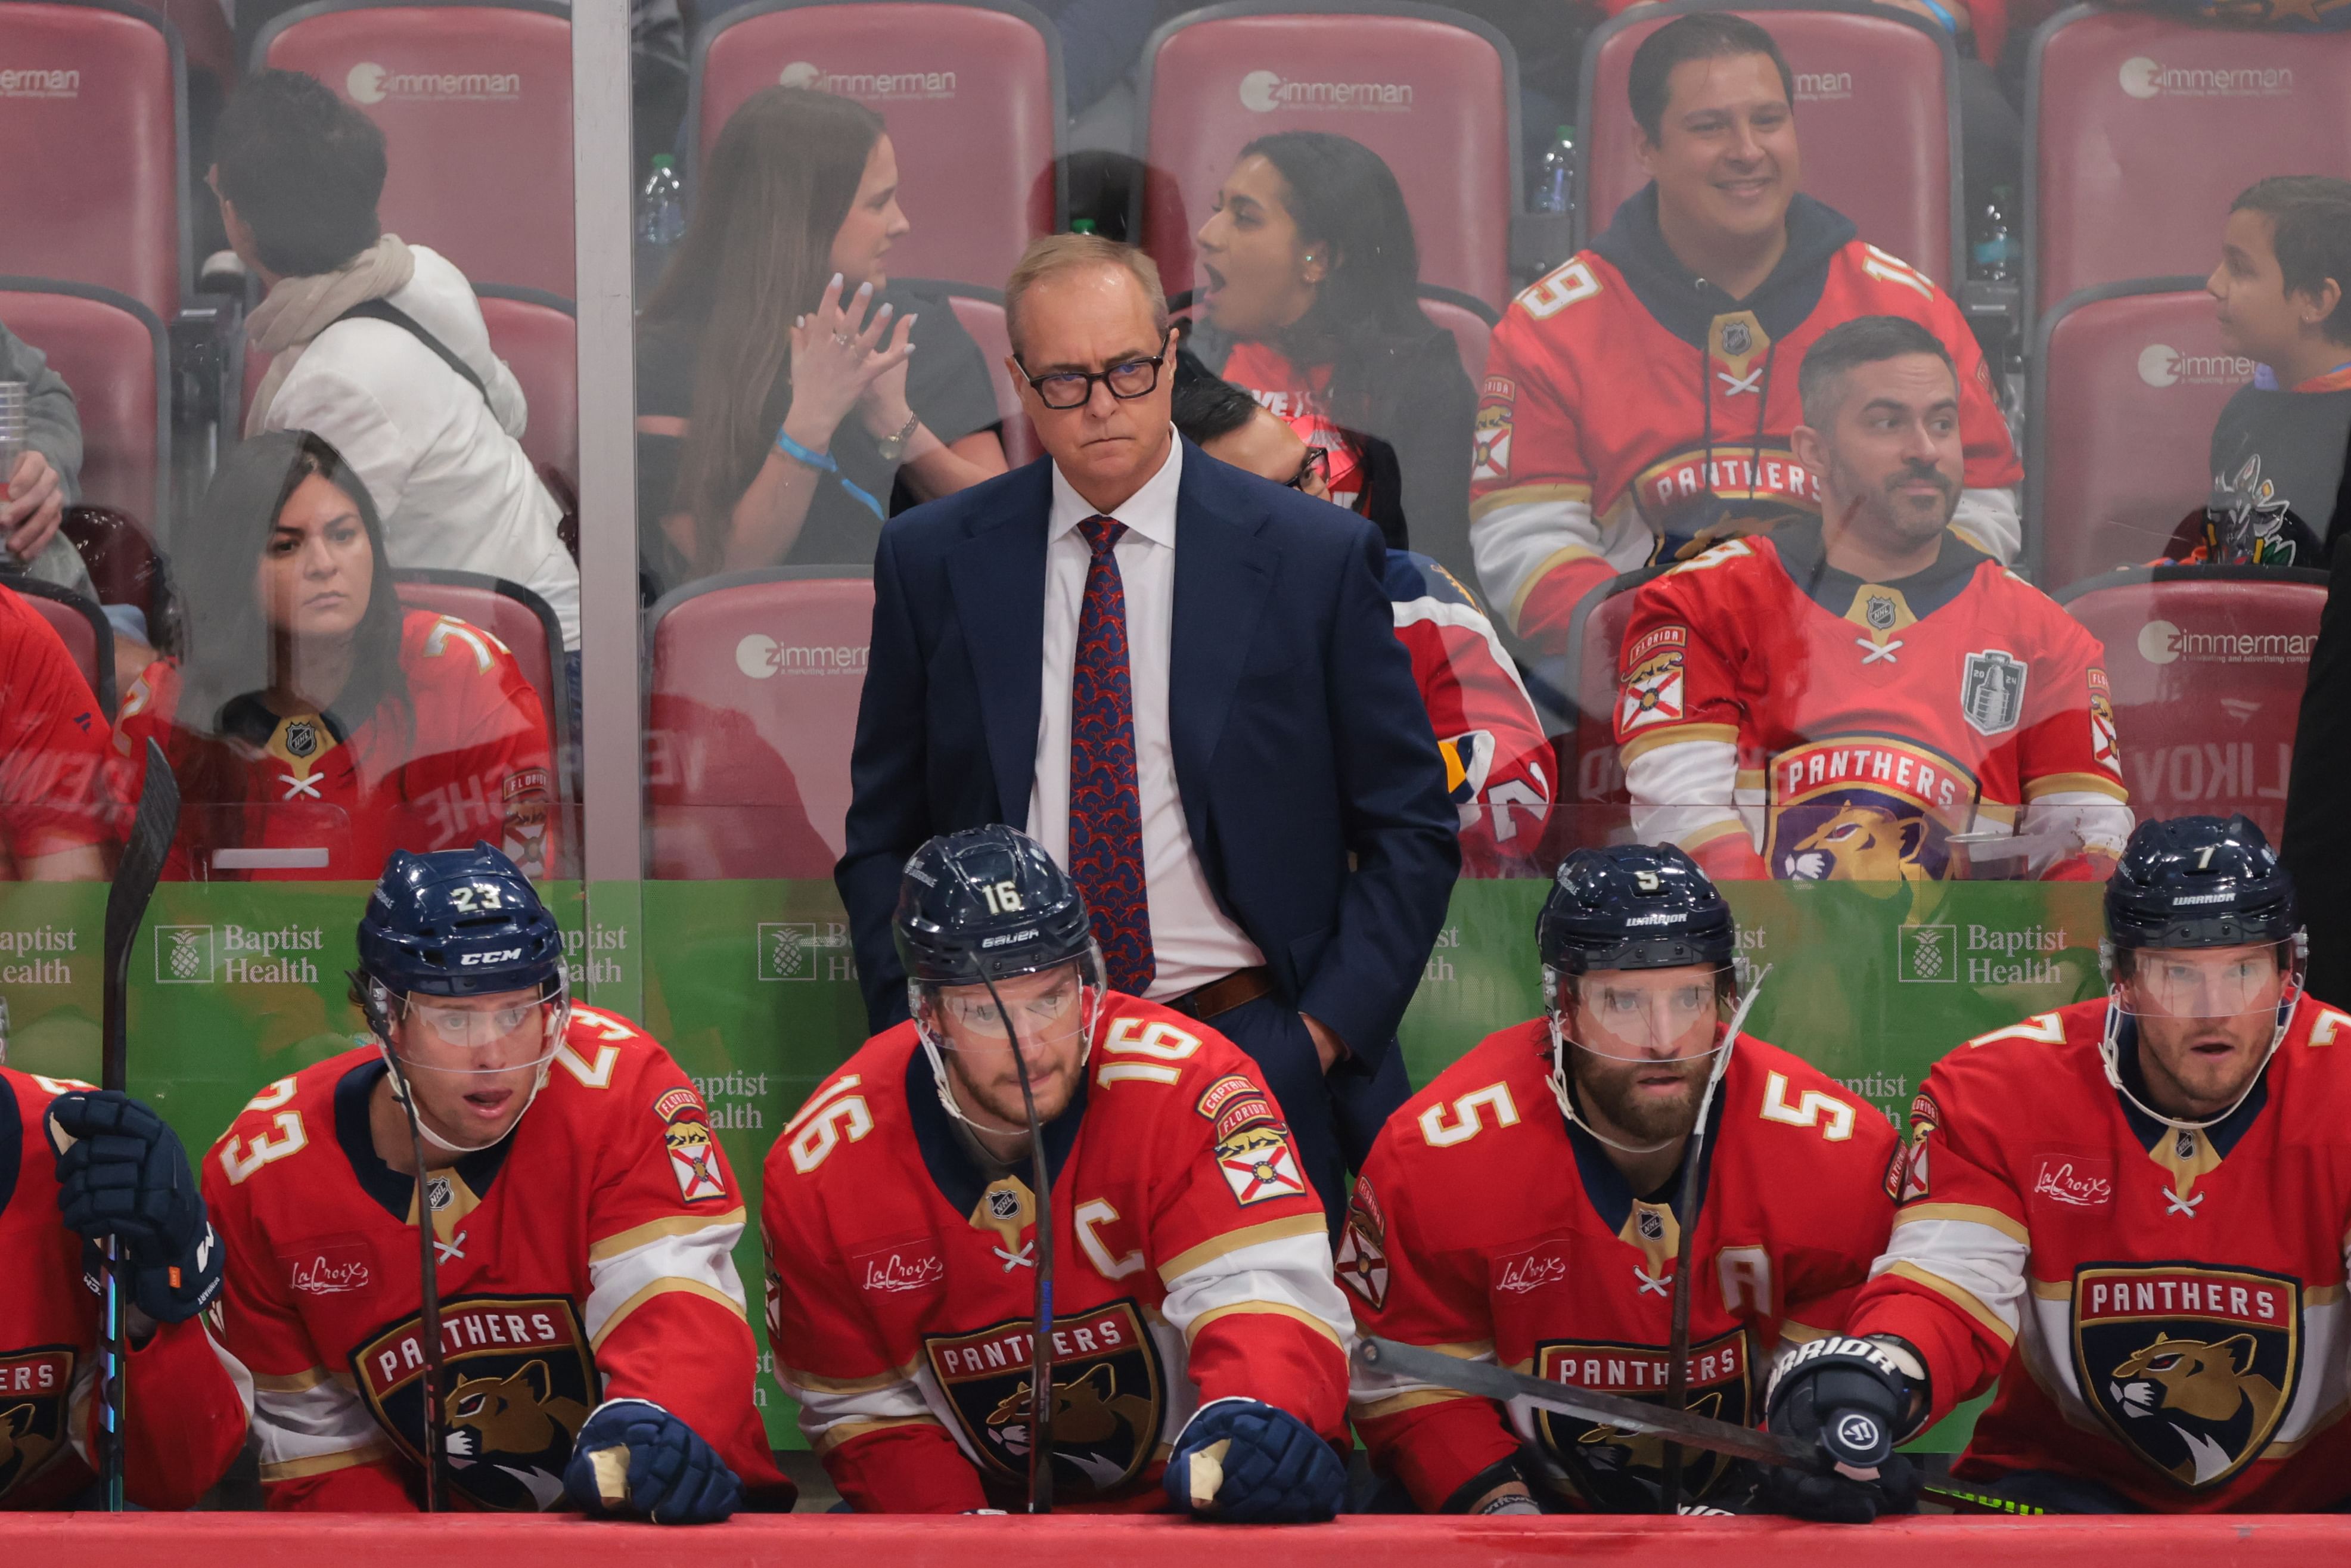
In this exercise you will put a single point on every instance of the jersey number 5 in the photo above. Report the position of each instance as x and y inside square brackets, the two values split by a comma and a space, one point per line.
[1467, 1124]
[1832, 1115]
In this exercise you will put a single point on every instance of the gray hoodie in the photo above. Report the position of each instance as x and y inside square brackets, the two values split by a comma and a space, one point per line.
[53, 430]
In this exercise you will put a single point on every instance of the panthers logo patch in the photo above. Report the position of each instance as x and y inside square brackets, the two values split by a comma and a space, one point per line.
[521, 1382]
[1109, 1398]
[33, 1387]
[2192, 1368]
[1619, 1471]
[1863, 808]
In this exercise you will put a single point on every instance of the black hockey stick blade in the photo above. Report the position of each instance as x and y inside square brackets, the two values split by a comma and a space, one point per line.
[1493, 1382]
[135, 875]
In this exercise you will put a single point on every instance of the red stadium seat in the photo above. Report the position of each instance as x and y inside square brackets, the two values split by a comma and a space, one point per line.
[112, 351]
[525, 624]
[1591, 781]
[95, 183]
[475, 103]
[756, 679]
[207, 37]
[972, 92]
[2141, 129]
[84, 629]
[2207, 664]
[1876, 108]
[2125, 385]
[1432, 91]
[1470, 320]
[980, 312]
[537, 335]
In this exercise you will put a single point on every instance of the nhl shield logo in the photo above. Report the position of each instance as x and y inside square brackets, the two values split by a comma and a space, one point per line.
[1621, 1472]
[33, 1386]
[1109, 1398]
[1992, 691]
[1879, 612]
[2192, 1369]
[521, 1382]
[1737, 337]
[301, 739]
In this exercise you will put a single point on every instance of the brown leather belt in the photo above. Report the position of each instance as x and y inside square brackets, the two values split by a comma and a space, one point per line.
[1235, 989]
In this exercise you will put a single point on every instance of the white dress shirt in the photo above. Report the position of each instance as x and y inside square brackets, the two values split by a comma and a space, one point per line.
[1193, 941]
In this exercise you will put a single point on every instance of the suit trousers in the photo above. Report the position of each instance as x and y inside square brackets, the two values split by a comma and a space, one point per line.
[1332, 1117]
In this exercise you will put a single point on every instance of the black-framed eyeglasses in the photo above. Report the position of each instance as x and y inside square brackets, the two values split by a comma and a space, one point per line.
[1071, 389]
[1315, 466]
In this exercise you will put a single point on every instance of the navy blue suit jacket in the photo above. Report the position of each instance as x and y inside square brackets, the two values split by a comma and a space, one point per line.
[1299, 738]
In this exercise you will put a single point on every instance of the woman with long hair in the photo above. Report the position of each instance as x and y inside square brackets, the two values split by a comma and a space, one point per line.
[314, 725]
[1309, 297]
[783, 410]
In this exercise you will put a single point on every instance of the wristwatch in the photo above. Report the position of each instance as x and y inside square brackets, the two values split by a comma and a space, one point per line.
[891, 446]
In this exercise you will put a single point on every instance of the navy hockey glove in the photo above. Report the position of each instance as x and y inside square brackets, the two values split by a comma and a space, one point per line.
[1851, 1397]
[122, 1173]
[1244, 1462]
[633, 1456]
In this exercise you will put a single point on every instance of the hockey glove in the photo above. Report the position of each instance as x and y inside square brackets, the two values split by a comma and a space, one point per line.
[1852, 1398]
[633, 1457]
[122, 1173]
[1240, 1461]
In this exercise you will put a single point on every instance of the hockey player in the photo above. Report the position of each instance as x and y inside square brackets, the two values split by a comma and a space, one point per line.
[593, 1329]
[2131, 1212]
[108, 1166]
[1636, 403]
[1836, 700]
[1196, 1325]
[1528, 1206]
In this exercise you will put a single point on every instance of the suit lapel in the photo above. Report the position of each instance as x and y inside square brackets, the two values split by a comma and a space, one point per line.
[998, 579]
[1223, 572]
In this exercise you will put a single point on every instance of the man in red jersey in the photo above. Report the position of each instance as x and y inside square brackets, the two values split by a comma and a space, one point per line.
[1840, 700]
[595, 1334]
[2130, 1212]
[109, 1166]
[1637, 401]
[1199, 1351]
[1526, 1208]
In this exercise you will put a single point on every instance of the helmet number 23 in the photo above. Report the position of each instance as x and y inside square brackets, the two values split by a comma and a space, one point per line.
[1003, 898]
[468, 897]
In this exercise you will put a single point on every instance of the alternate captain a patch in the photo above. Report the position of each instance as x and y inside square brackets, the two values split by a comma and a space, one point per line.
[693, 1152]
[1258, 1164]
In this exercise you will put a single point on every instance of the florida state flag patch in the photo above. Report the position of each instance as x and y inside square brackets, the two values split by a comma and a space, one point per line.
[1258, 1164]
[693, 1152]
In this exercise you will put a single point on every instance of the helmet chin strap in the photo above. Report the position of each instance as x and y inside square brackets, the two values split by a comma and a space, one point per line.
[1562, 1091]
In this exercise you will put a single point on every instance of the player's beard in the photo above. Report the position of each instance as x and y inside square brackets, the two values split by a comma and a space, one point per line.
[1609, 1087]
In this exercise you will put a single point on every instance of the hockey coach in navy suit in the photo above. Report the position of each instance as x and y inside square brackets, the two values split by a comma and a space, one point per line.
[1183, 681]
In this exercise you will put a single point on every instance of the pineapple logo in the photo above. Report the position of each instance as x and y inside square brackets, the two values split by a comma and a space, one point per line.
[183, 955]
[784, 952]
[1928, 953]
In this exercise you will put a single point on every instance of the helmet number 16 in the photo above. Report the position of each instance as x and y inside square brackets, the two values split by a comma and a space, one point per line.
[1003, 897]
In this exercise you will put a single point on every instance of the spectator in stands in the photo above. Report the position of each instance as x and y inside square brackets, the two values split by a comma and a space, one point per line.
[314, 724]
[1638, 401]
[1498, 762]
[1186, 683]
[782, 408]
[1309, 297]
[1863, 695]
[46, 477]
[56, 802]
[2277, 448]
[379, 347]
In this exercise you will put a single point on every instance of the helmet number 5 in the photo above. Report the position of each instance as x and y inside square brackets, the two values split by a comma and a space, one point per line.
[1646, 880]
[1003, 898]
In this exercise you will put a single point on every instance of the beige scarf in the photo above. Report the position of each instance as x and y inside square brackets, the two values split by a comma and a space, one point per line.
[300, 308]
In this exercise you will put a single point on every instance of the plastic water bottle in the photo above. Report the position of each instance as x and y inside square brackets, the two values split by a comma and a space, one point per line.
[661, 205]
[1554, 189]
[1993, 250]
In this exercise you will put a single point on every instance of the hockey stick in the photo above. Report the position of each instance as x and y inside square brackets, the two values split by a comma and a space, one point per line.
[135, 875]
[1040, 1354]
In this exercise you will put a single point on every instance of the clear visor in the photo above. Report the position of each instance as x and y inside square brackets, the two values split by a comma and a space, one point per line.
[512, 1031]
[1648, 1015]
[1046, 1009]
[2205, 982]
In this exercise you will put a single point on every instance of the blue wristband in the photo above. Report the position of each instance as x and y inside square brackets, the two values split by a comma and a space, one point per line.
[822, 462]
[1943, 14]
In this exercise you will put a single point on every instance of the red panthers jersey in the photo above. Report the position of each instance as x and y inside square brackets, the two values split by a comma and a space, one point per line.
[1486, 1227]
[1296, 396]
[465, 757]
[1778, 718]
[1606, 437]
[1191, 1262]
[54, 740]
[2164, 1308]
[186, 1400]
[601, 1267]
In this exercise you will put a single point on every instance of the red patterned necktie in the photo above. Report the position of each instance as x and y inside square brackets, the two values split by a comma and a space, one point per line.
[1105, 803]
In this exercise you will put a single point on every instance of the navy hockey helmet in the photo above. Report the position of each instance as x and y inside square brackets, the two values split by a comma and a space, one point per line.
[2199, 882]
[986, 903]
[1633, 906]
[458, 923]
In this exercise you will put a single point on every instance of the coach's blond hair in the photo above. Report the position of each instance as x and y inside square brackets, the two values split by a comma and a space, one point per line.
[1057, 254]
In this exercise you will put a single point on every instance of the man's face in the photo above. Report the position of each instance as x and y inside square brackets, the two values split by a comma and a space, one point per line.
[1725, 158]
[1645, 1041]
[471, 1061]
[1091, 318]
[1270, 448]
[2258, 318]
[1890, 463]
[1048, 1014]
[2205, 1016]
